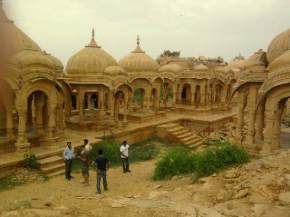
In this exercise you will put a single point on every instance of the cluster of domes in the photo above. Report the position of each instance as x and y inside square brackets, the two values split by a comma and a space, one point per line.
[93, 60]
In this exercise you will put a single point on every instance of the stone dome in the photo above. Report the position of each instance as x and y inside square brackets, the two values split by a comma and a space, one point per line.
[200, 67]
[138, 61]
[90, 60]
[238, 62]
[14, 40]
[282, 62]
[115, 71]
[58, 64]
[278, 46]
[29, 57]
[171, 67]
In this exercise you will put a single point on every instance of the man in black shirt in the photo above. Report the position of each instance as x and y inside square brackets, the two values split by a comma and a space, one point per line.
[102, 164]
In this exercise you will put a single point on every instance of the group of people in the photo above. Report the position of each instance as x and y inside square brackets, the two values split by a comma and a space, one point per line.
[102, 163]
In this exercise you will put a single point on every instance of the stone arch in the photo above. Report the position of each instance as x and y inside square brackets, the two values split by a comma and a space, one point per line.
[186, 94]
[275, 101]
[139, 98]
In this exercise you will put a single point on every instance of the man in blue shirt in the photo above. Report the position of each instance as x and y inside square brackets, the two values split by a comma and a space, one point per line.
[68, 155]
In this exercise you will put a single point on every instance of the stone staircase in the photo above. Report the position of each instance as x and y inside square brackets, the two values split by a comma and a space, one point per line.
[179, 134]
[52, 165]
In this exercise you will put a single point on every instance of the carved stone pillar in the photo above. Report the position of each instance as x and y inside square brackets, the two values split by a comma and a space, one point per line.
[22, 144]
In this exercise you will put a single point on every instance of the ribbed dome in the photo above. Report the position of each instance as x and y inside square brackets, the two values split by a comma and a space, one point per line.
[14, 40]
[281, 62]
[138, 61]
[90, 60]
[278, 46]
[30, 57]
[115, 71]
[171, 67]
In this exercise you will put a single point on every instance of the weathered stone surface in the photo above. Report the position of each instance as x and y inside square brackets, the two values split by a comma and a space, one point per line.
[284, 198]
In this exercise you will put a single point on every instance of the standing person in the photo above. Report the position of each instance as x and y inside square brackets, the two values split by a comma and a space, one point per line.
[85, 158]
[68, 155]
[102, 164]
[124, 150]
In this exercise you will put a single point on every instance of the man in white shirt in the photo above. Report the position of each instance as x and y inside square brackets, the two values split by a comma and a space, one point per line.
[124, 150]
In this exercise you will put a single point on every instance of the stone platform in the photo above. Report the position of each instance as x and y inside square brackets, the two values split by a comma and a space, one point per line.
[133, 132]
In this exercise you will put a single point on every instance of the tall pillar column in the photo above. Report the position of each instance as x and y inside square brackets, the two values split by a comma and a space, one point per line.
[9, 124]
[51, 121]
[202, 94]
[147, 99]
[111, 103]
[193, 89]
[81, 106]
[259, 125]
[22, 144]
[174, 90]
[240, 120]
[268, 133]
[251, 103]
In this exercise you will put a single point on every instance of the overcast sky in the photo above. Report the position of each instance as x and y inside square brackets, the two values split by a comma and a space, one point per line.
[195, 27]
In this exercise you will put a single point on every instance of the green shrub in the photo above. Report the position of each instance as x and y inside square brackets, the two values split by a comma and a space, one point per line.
[181, 161]
[30, 162]
[176, 161]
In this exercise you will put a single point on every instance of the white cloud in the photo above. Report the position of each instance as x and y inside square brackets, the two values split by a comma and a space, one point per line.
[208, 27]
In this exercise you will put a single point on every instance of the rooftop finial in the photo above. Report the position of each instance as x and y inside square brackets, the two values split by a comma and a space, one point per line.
[138, 40]
[93, 32]
[138, 49]
[93, 42]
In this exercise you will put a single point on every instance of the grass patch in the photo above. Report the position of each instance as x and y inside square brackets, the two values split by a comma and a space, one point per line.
[9, 183]
[179, 160]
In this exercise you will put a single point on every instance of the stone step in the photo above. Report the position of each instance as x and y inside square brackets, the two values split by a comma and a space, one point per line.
[184, 135]
[54, 168]
[190, 138]
[50, 161]
[175, 129]
[57, 173]
[194, 142]
[168, 125]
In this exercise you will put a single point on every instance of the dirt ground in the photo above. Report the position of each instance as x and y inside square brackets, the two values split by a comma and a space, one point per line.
[260, 188]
